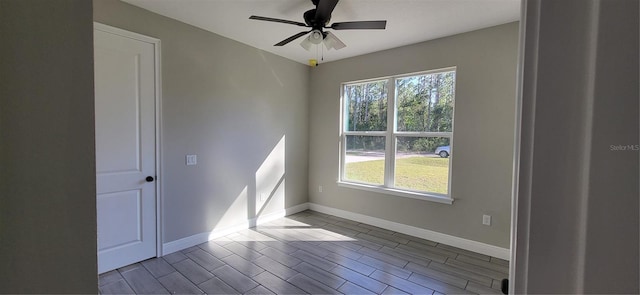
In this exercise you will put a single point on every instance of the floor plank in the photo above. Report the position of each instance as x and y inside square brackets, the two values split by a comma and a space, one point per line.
[432, 273]
[242, 251]
[275, 267]
[259, 290]
[313, 259]
[158, 267]
[393, 291]
[174, 257]
[320, 275]
[215, 249]
[142, 282]
[109, 277]
[281, 257]
[242, 265]
[480, 289]
[406, 256]
[381, 265]
[483, 263]
[177, 283]
[311, 248]
[461, 273]
[276, 284]
[235, 279]
[204, 259]
[217, 286]
[389, 236]
[477, 269]
[193, 271]
[464, 252]
[359, 279]
[400, 283]
[116, 287]
[374, 239]
[349, 288]
[310, 285]
[393, 260]
[351, 264]
[335, 249]
[436, 285]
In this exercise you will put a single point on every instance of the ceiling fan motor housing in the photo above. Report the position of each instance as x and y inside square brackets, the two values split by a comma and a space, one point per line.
[310, 20]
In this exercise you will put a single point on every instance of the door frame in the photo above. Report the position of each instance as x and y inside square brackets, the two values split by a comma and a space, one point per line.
[158, 119]
[520, 201]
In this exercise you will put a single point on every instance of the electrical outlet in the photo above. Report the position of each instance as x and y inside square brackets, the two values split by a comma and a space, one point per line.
[320, 188]
[191, 160]
[486, 220]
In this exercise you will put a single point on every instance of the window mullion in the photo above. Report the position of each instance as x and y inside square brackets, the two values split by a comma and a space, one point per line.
[343, 155]
[423, 134]
[366, 133]
[343, 137]
[390, 151]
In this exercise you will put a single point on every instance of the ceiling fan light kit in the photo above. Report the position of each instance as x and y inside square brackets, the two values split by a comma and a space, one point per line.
[318, 19]
[331, 41]
[315, 37]
[306, 44]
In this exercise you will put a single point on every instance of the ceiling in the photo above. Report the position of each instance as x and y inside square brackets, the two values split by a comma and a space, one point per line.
[408, 21]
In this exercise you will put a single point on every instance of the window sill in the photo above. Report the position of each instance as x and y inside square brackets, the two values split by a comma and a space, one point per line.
[398, 192]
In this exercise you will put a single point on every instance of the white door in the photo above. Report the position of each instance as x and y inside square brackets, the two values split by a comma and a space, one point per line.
[125, 91]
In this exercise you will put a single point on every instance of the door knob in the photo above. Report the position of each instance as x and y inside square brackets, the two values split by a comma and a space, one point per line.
[149, 178]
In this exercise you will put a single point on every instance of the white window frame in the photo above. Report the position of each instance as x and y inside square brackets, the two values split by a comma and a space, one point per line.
[391, 135]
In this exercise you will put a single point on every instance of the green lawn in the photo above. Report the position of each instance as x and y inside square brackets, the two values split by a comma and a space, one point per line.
[415, 173]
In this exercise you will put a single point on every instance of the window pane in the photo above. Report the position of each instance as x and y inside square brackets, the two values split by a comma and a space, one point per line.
[366, 106]
[364, 160]
[425, 102]
[422, 164]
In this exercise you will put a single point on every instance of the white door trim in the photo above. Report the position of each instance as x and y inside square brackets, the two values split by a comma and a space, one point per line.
[158, 119]
[520, 201]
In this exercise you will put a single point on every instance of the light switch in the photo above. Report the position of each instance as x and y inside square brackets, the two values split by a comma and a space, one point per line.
[191, 160]
[486, 220]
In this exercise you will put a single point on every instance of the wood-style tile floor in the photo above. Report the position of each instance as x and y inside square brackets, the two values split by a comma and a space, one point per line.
[315, 253]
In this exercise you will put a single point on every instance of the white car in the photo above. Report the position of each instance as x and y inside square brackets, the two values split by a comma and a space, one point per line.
[443, 151]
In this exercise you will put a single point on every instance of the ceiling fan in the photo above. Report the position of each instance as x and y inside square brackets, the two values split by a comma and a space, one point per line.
[318, 19]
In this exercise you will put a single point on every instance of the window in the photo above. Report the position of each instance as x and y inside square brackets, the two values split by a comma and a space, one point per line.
[397, 134]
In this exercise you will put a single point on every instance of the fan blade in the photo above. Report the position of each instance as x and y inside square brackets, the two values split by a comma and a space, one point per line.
[296, 36]
[324, 10]
[277, 20]
[364, 25]
[332, 41]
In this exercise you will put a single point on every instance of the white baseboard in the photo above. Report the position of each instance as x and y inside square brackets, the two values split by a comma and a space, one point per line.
[478, 247]
[184, 243]
[190, 241]
[297, 208]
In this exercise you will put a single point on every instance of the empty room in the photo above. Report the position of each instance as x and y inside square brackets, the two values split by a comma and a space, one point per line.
[319, 147]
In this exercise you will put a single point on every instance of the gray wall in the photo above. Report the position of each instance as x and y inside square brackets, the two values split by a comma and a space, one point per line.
[230, 104]
[578, 216]
[483, 135]
[47, 162]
